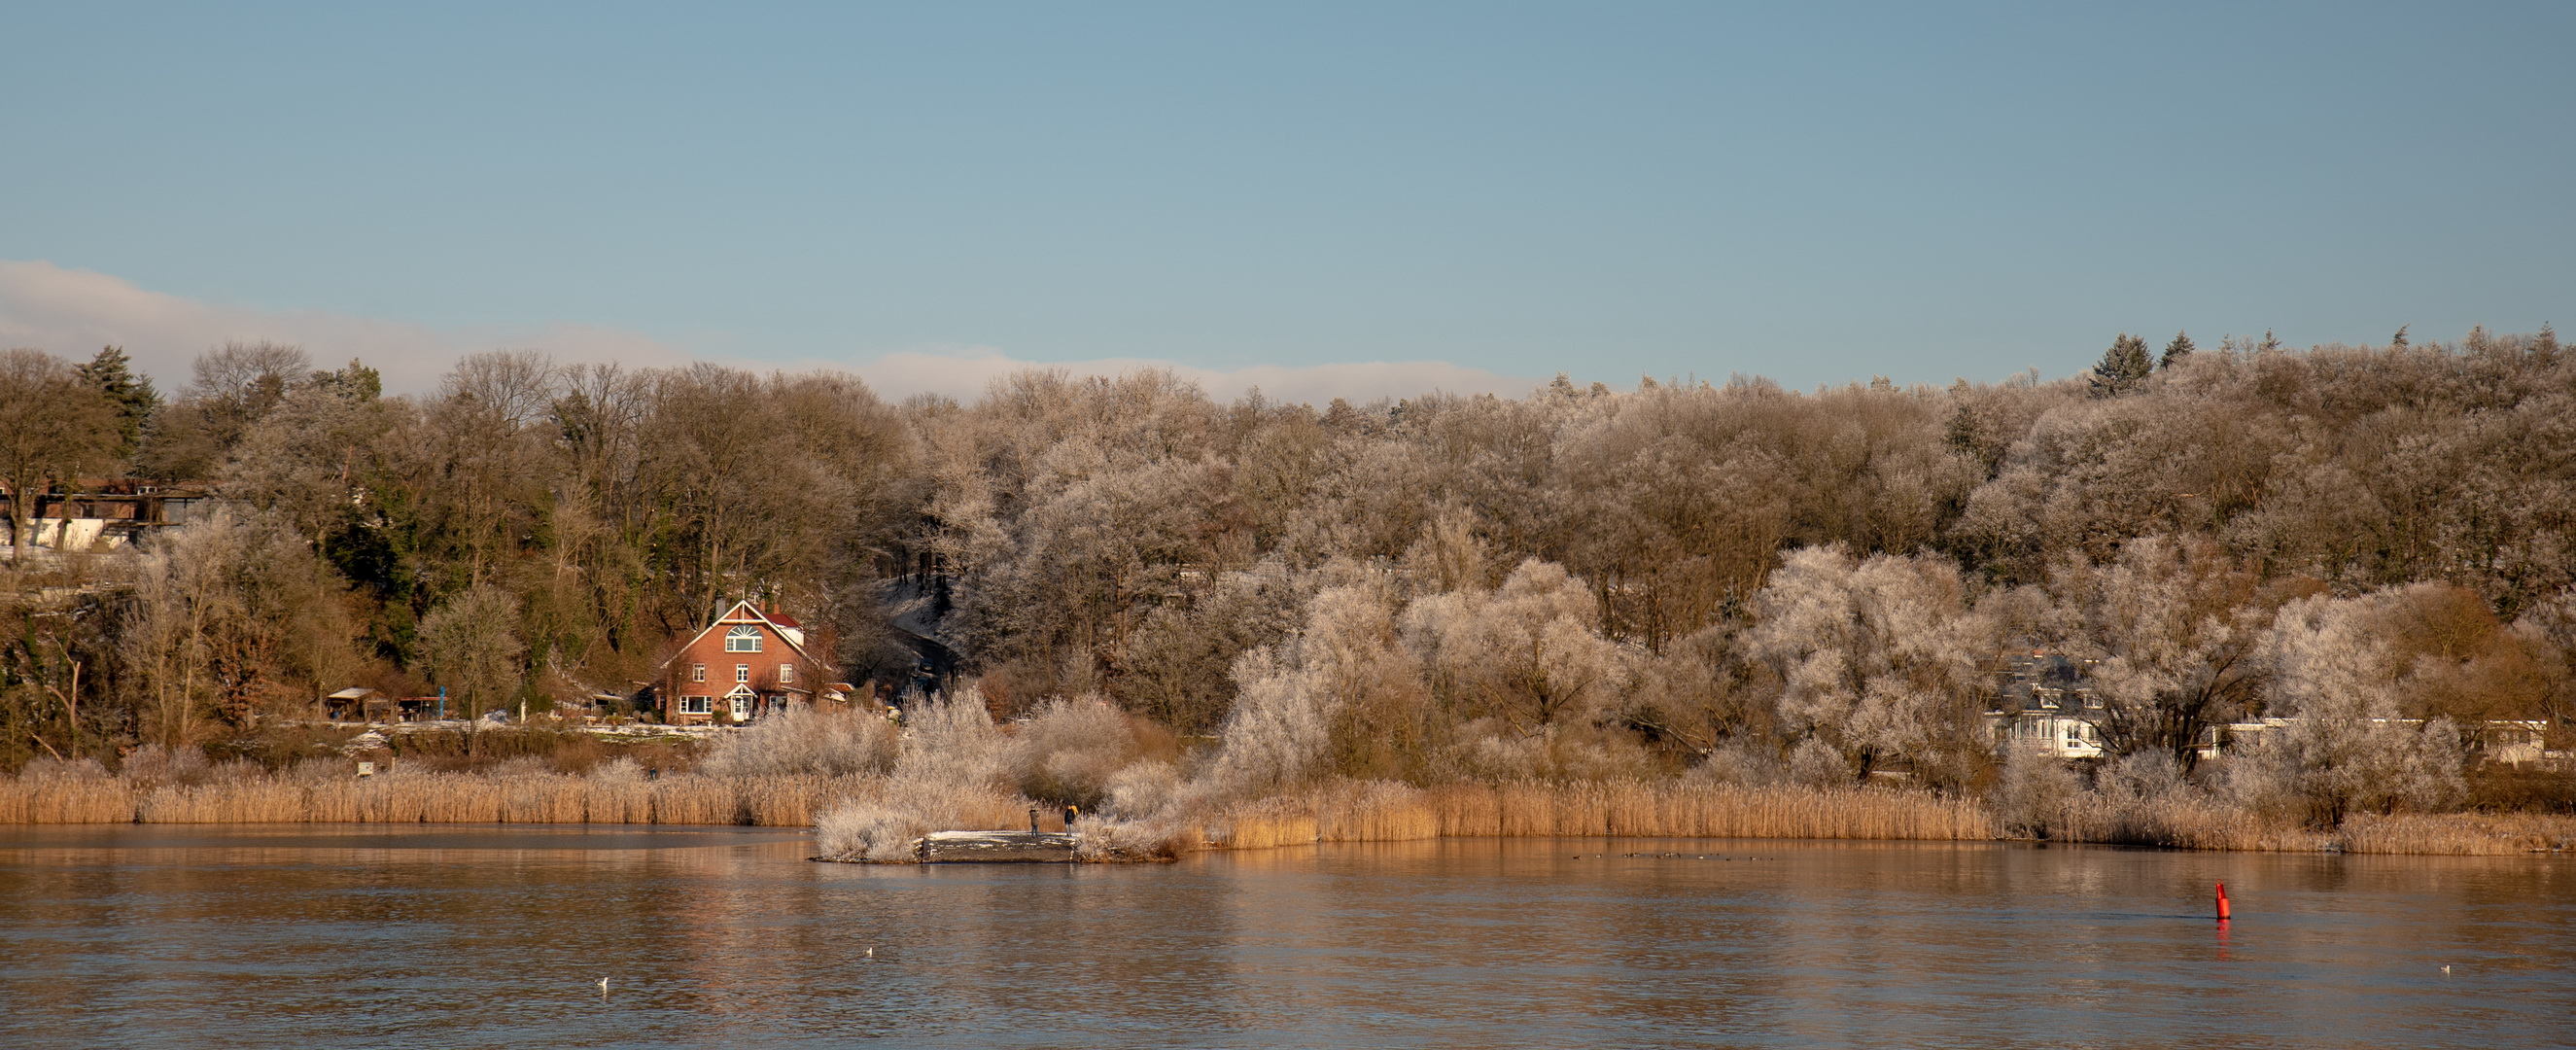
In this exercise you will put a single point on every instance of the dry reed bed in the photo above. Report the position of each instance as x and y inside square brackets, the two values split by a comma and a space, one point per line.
[432, 798]
[2176, 822]
[1336, 812]
[2459, 834]
[1380, 812]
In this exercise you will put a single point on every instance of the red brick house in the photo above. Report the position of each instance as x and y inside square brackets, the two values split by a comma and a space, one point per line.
[747, 663]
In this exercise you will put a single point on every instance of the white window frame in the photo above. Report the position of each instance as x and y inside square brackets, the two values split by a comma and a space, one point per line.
[742, 672]
[787, 672]
[742, 638]
[697, 705]
[697, 672]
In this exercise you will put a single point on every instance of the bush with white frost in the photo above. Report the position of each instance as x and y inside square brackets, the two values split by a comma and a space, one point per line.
[1342, 695]
[2037, 797]
[801, 740]
[1069, 749]
[952, 771]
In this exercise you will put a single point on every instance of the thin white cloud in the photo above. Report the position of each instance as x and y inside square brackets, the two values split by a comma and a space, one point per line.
[963, 372]
[74, 312]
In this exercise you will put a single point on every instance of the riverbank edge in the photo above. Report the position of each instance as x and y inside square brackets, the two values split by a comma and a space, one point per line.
[1342, 811]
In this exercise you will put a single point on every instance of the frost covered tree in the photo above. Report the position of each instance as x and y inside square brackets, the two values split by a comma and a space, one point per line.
[1881, 659]
[1522, 675]
[2169, 630]
[1341, 696]
[2350, 744]
[471, 647]
[229, 615]
[1527, 653]
[1176, 666]
[312, 458]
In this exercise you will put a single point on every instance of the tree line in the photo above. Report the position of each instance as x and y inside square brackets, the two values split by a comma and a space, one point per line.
[1579, 582]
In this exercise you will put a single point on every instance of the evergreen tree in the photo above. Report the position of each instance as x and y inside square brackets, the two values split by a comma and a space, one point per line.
[2123, 367]
[2399, 340]
[357, 382]
[112, 374]
[2175, 351]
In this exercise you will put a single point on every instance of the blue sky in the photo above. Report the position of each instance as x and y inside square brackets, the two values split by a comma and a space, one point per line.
[1816, 193]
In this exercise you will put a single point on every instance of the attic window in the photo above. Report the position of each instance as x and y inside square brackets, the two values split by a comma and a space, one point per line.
[743, 639]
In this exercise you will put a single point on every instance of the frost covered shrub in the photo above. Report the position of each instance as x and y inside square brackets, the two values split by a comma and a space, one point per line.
[54, 770]
[1127, 840]
[1740, 763]
[1144, 789]
[1279, 729]
[950, 773]
[1069, 750]
[622, 771]
[1816, 763]
[154, 764]
[1489, 750]
[803, 740]
[2037, 796]
[1342, 696]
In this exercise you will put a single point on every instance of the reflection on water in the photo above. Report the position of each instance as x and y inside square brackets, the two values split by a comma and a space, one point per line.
[351, 936]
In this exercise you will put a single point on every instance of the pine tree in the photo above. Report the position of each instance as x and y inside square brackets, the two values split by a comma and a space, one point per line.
[2175, 351]
[2123, 367]
[112, 374]
[2399, 340]
[356, 382]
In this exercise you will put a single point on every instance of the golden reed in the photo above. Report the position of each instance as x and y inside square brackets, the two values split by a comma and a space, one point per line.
[1382, 812]
[1341, 811]
[2460, 834]
[431, 798]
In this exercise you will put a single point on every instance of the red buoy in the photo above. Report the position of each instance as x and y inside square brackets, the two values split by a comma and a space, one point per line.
[2222, 902]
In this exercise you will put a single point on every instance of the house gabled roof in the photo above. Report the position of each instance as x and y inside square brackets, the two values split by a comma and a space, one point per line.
[744, 612]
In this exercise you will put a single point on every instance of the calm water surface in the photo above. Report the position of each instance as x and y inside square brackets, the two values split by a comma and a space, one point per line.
[435, 937]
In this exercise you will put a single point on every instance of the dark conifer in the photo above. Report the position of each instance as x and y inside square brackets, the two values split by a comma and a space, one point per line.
[2175, 351]
[356, 382]
[112, 374]
[2123, 367]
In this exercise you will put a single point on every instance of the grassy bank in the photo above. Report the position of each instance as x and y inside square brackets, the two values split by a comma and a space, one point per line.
[1343, 811]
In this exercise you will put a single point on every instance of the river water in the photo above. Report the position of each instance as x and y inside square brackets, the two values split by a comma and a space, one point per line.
[345, 936]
